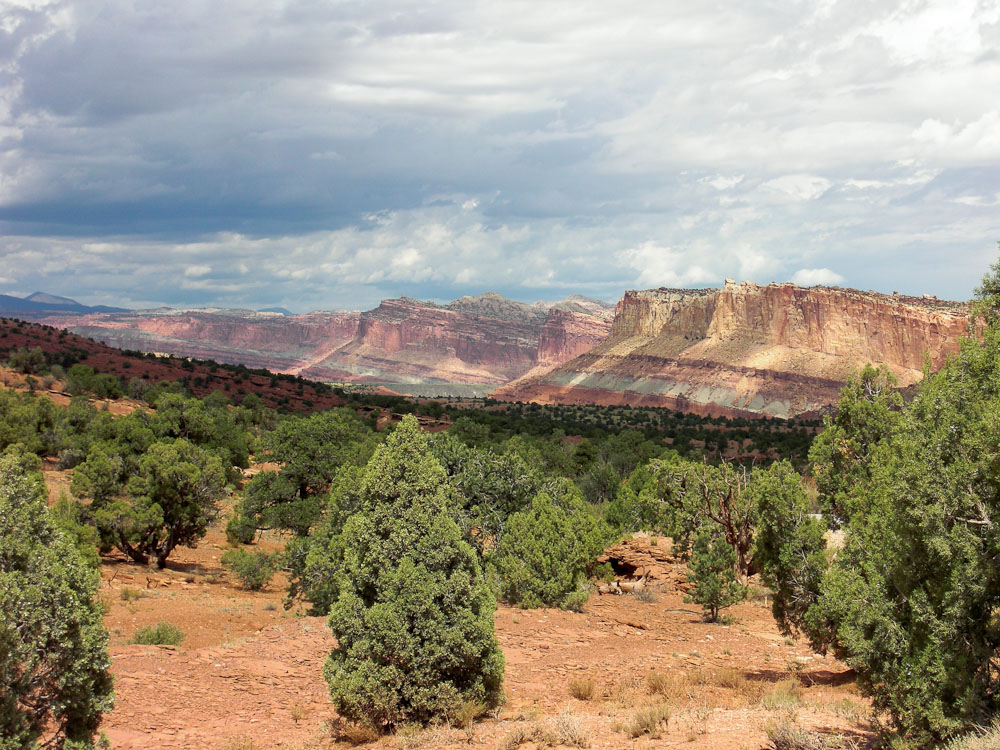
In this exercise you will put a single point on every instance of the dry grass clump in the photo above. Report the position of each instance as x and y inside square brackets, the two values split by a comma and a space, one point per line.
[466, 713]
[241, 742]
[516, 737]
[785, 695]
[623, 692]
[986, 738]
[582, 688]
[353, 734]
[851, 710]
[788, 736]
[569, 730]
[130, 594]
[644, 595]
[650, 720]
[413, 735]
[560, 731]
[674, 686]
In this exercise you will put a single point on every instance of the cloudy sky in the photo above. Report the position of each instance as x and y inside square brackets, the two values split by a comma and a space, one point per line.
[322, 154]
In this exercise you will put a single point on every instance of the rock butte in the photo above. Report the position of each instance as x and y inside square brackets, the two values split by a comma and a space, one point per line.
[746, 350]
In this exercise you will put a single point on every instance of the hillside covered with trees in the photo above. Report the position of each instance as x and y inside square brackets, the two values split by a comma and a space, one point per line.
[404, 523]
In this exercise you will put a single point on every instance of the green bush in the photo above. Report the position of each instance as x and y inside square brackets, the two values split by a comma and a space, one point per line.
[713, 573]
[911, 600]
[54, 663]
[28, 361]
[414, 618]
[240, 528]
[161, 634]
[789, 549]
[172, 499]
[253, 569]
[544, 553]
[315, 563]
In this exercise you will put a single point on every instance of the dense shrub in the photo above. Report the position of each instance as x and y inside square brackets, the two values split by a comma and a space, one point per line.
[161, 634]
[253, 569]
[53, 646]
[910, 602]
[713, 573]
[543, 555]
[414, 617]
[315, 563]
[170, 502]
[789, 549]
[29, 361]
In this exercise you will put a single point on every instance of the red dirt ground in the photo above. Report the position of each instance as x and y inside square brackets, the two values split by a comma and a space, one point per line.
[248, 673]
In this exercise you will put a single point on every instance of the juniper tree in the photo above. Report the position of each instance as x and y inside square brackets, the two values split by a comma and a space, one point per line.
[543, 556]
[413, 617]
[53, 645]
[713, 567]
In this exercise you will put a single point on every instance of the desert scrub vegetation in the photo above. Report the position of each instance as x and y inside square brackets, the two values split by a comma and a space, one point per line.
[415, 638]
[564, 730]
[650, 720]
[543, 555]
[254, 570]
[161, 634]
[713, 571]
[786, 735]
[582, 688]
[981, 738]
[54, 663]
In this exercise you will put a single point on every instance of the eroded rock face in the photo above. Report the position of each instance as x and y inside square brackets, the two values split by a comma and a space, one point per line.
[747, 350]
[480, 340]
[269, 340]
[486, 339]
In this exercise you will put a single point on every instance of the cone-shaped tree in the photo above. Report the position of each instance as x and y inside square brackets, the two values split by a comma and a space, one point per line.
[414, 617]
[54, 678]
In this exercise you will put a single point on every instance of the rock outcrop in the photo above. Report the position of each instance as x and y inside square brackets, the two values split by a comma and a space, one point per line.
[270, 340]
[475, 340]
[484, 339]
[748, 350]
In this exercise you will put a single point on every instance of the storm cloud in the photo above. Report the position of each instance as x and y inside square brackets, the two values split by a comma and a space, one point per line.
[317, 154]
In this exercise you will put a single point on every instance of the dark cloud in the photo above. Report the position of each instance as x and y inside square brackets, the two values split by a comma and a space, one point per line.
[339, 152]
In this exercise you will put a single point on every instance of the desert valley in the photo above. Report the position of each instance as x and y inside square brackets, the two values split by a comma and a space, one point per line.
[560, 375]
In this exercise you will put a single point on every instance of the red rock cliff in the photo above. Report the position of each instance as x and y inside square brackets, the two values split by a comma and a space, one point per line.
[478, 340]
[485, 339]
[778, 350]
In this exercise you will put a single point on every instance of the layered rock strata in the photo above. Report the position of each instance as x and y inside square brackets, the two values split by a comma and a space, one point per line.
[748, 350]
[474, 340]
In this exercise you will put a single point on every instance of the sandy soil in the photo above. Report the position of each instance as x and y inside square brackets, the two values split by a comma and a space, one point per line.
[248, 676]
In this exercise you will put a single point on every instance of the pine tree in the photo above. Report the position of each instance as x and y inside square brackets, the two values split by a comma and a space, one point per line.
[54, 661]
[713, 573]
[414, 617]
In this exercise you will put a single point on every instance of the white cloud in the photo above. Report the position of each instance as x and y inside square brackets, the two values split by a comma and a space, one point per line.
[195, 272]
[814, 276]
[664, 266]
[798, 187]
[327, 154]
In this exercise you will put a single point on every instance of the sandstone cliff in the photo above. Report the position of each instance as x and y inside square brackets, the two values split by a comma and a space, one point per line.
[477, 340]
[485, 339]
[269, 340]
[778, 350]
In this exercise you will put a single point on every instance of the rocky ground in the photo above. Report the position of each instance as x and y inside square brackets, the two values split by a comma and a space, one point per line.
[247, 674]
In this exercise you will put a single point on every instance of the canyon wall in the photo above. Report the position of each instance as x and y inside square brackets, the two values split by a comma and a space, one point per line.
[474, 340]
[748, 350]
[485, 339]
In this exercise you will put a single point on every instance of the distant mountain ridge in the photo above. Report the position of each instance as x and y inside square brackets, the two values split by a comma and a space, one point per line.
[40, 302]
[484, 339]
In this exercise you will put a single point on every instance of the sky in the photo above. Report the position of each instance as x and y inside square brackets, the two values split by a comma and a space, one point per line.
[323, 154]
